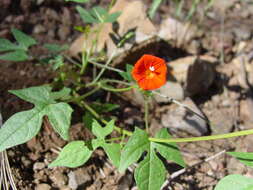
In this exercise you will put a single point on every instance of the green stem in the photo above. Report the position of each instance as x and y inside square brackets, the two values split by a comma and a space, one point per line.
[146, 112]
[204, 138]
[79, 98]
[116, 89]
[106, 67]
[175, 140]
[103, 69]
[85, 58]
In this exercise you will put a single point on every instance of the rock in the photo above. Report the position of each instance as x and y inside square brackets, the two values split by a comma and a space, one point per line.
[170, 89]
[43, 186]
[196, 73]
[38, 165]
[242, 33]
[78, 178]
[180, 33]
[246, 111]
[179, 119]
[200, 76]
[58, 178]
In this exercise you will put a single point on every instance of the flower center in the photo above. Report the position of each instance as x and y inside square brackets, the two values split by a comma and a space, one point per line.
[151, 68]
[149, 73]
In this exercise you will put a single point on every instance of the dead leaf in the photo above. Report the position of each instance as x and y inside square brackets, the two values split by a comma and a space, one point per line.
[130, 19]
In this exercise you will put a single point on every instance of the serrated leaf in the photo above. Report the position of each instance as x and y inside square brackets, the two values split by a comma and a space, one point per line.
[23, 39]
[112, 17]
[18, 55]
[113, 152]
[39, 95]
[6, 45]
[169, 151]
[74, 154]
[55, 48]
[59, 116]
[134, 148]
[235, 182]
[101, 132]
[78, 1]
[86, 16]
[244, 157]
[20, 128]
[150, 173]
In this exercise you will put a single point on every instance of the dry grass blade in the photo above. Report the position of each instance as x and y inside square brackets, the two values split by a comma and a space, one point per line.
[6, 178]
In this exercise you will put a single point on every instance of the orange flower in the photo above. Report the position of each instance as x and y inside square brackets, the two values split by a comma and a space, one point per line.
[150, 72]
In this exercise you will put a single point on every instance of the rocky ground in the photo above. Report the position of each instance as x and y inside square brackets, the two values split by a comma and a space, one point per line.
[210, 56]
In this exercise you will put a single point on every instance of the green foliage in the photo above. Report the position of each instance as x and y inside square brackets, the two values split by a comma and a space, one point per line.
[127, 74]
[23, 40]
[244, 157]
[104, 107]
[20, 128]
[23, 126]
[56, 62]
[83, 150]
[13, 51]
[151, 172]
[18, 55]
[134, 148]
[102, 132]
[74, 154]
[55, 48]
[235, 182]
[169, 151]
[97, 15]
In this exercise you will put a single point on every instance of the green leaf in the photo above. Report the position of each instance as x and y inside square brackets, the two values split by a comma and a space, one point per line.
[127, 75]
[99, 13]
[86, 16]
[78, 1]
[113, 152]
[102, 132]
[56, 62]
[20, 128]
[55, 48]
[23, 39]
[104, 107]
[74, 154]
[150, 173]
[59, 116]
[63, 94]
[169, 151]
[154, 7]
[6, 45]
[244, 157]
[18, 55]
[88, 120]
[235, 182]
[112, 17]
[39, 95]
[134, 148]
